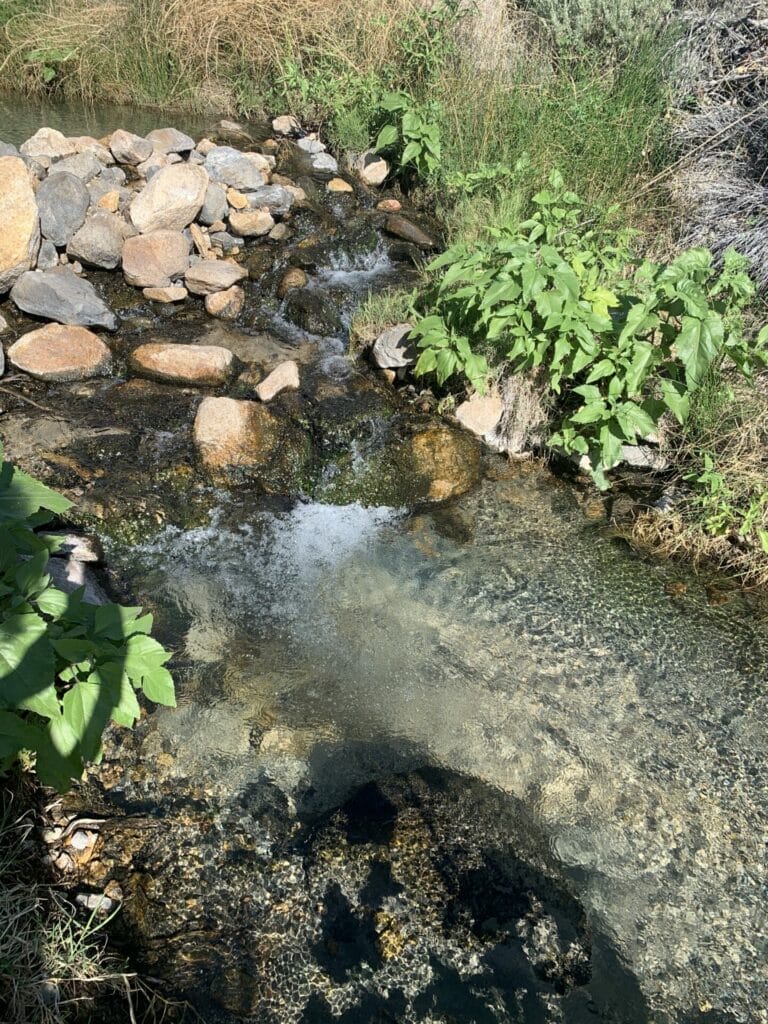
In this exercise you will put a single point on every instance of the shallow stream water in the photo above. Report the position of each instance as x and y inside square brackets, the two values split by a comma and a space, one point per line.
[474, 764]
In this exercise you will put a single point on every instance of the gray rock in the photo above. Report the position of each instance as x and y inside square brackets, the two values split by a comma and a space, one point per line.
[63, 202]
[170, 140]
[6, 149]
[371, 168]
[391, 349]
[128, 148]
[61, 296]
[311, 145]
[286, 124]
[84, 165]
[230, 167]
[99, 242]
[92, 901]
[114, 175]
[99, 188]
[215, 206]
[35, 168]
[209, 276]
[643, 456]
[68, 575]
[227, 242]
[278, 200]
[324, 164]
[48, 257]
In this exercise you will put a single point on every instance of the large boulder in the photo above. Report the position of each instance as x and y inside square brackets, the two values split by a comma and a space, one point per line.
[231, 167]
[99, 242]
[85, 165]
[171, 200]
[62, 296]
[48, 144]
[63, 201]
[155, 259]
[19, 221]
[60, 353]
[210, 276]
[203, 365]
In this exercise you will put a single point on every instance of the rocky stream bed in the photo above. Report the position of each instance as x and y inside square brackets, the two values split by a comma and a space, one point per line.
[446, 749]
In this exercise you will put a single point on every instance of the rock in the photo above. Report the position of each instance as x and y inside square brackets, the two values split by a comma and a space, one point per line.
[284, 377]
[6, 149]
[173, 293]
[62, 296]
[128, 148]
[200, 240]
[338, 185]
[202, 365]
[205, 146]
[99, 242]
[149, 168]
[93, 901]
[230, 167]
[113, 176]
[310, 145]
[275, 198]
[392, 349]
[251, 223]
[448, 462]
[58, 353]
[279, 232]
[3, 325]
[62, 202]
[643, 456]
[213, 276]
[78, 546]
[324, 164]
[372, 169]
[48, 143]
[109, 201]
[215, 206]
[227, 305]
[402, 228]
[228, 243]
[480, 414]
[155, 259]
[170, 140]
[87, 143]
[265, 164]
[69, 575]
[85, 166]
[292, 278]
[286, 124]
[313, 312]
[389, 205]
[19, 221]
[48, 257]
[171, 200]
[243, 436]
[237, 200]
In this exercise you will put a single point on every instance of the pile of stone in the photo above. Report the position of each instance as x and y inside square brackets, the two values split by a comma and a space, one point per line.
[171, 213]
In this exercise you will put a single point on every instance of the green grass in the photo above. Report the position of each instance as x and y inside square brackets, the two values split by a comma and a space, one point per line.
[377, 312]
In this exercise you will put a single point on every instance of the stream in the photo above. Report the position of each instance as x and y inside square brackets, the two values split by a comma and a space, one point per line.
[465, 763]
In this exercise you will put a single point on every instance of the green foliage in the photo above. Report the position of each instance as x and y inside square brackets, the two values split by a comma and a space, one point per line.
[412, 136]
[622, 343]
[722, 510]
[66, 667]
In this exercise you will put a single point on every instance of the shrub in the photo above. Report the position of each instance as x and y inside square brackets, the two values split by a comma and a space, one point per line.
[623, 342]
[66, 667]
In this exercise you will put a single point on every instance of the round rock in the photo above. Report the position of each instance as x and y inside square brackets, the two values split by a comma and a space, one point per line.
[226, 305]
[171, 200]
[60, 353]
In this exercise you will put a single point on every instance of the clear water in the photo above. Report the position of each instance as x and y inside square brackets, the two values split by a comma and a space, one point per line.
[511, 640]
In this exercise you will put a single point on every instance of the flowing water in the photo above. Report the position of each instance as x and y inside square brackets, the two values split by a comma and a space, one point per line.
[470, 765]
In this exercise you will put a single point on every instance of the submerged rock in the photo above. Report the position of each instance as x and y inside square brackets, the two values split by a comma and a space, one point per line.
[60, 353]
[313, 312]
[284, 377]
[19, 221]
[62, 201]
[227, 304]
[62, 296]
[292, 278]
[403, 228]
[206, 365]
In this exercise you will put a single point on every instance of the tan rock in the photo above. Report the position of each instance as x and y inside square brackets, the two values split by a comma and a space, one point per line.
[59, 353]
[284, 377]
[48, 144]
[110, 201]
[279, 232]
[200, 239]
[213, 276]
[236, 199]
[227, 305]
[480, 414]
[171, 200]
[299, 195]
[203, 365]
[449, 460]
[264, 163]
[389, 205]
[19, 221]
[155, 259]
[173, 293]
[372, 169]
[292, 278]
[205, 146]
[286, 124]
[339, 185]
[128, 148]
[218, 225]
[251, 223]
[229, 433]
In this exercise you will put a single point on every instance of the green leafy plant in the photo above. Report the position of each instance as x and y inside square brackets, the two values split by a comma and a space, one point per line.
[412, 136]
[723, 511]
[623, 342]
[66, 667]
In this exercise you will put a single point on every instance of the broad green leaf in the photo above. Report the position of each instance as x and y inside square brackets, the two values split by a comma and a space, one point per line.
[86, 710]
[27, 665]
[697, 344]
[158, 686]
[388, 136]
[21, 496]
